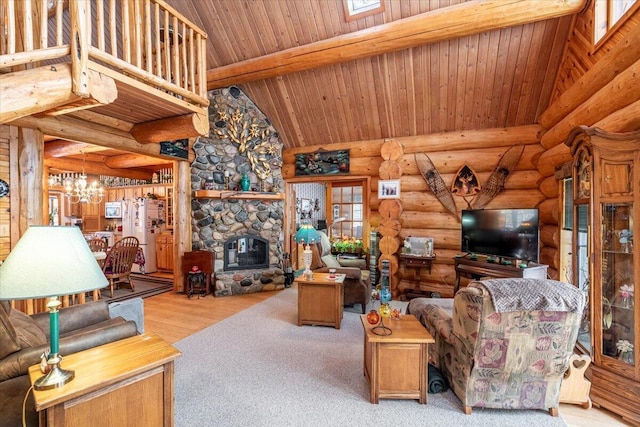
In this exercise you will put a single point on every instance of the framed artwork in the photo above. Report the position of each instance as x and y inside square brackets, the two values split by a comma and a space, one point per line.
[389, 189]
[428, 246]
[336, 211]
[305, 205]
[323, 163]
[178, 148]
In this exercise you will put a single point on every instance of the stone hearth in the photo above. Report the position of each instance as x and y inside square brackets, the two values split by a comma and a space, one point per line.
[215, 221]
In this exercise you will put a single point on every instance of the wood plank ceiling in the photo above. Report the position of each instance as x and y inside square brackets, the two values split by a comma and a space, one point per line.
[499, 78]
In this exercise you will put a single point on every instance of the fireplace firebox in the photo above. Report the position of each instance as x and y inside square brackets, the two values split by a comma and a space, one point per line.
[246, 252]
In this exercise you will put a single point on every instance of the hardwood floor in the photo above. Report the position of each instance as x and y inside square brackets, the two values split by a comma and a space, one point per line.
[174, 317]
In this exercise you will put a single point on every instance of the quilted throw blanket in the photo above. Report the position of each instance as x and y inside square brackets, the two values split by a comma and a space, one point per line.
[532, 295]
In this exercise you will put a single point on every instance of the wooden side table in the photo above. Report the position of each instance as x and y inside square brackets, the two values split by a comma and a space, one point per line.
[320, 300]
[204, 261]
[114, 384]
[396, 365]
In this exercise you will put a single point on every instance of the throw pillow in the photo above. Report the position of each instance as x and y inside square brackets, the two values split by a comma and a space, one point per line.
[8, 336]
[28, 332]
[330, 261]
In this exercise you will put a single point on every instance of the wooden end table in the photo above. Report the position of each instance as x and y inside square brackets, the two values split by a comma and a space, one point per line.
[320, 300]
[115, 384]
[396, 365]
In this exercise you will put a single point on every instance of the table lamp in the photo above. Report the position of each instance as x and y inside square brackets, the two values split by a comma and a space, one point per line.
[307, 234]
[47, 262]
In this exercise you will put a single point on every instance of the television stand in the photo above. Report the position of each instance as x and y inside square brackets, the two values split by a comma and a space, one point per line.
[478, 268]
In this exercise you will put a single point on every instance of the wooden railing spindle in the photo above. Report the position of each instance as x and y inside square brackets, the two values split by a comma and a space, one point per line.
[44, 37]
[151, 42]
[100, 23]
[112, 28]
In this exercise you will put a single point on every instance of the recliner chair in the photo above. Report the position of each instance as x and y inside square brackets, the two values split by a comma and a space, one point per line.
[507, 342]
[357, 288]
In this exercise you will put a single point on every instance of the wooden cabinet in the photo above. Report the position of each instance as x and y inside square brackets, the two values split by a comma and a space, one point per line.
[164, 251]
[606, 263]
[169, 206]
[125, 382]
[320, 300]
[478, 268]
[396, 365]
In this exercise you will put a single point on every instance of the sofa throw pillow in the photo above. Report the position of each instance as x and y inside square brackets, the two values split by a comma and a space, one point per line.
[8, 336]
[28, 332]
[330, 261]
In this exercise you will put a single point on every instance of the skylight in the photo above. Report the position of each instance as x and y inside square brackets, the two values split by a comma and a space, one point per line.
[356, 9]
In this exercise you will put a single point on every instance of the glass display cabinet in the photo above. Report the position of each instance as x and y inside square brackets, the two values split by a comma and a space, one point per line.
[606, 264]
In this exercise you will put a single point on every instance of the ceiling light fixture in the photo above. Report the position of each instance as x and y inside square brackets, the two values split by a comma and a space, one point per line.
[78, 189]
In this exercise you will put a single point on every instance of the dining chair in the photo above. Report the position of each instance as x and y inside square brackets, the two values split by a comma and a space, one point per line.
[120, 258]
[97, 245]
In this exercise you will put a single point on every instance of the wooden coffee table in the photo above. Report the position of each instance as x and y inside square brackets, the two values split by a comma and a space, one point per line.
[320, 300]
[396, 365]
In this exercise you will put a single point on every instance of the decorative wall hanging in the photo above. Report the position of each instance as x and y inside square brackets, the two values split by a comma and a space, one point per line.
[465, 183]
[178, 148]
[389, 189]
[435, 182]
[323, 163]
[495, 182]
[252, 138]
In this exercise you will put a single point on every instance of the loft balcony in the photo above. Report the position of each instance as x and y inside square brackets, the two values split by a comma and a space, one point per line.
[136, 65]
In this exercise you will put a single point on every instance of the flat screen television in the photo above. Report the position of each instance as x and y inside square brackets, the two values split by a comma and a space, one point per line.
[506, 233]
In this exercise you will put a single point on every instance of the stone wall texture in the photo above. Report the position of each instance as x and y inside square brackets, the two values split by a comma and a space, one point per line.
[241, 141]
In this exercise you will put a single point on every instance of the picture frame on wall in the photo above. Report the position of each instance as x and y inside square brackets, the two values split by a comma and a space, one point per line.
[389, 189]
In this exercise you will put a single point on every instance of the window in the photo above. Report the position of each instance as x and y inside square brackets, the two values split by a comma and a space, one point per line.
[356, 9]
[346, 200]
[608, 14]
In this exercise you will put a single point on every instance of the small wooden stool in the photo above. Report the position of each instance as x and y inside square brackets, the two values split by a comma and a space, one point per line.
[197, 283]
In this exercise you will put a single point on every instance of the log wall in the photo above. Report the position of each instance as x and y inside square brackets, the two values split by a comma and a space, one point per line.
[594, 88]
[422, 215]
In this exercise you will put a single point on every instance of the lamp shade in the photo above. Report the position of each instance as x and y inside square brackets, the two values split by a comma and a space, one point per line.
[307, 234]
[50, 261]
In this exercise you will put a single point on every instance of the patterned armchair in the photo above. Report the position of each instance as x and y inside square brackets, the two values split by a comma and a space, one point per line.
[513, 356]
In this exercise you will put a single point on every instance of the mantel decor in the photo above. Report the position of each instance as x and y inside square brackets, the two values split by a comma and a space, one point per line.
[323, 163]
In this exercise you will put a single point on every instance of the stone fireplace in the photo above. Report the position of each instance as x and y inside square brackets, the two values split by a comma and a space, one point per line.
[244, 230]
[246, 252]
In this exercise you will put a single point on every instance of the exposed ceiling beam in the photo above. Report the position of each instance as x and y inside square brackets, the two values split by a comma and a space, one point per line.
[472, 17]
[94, 168]
[87, 132]
[62, 148]
[48, 90]
[180, 127]
[132, 161]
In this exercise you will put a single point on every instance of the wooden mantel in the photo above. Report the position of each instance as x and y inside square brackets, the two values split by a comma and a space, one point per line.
[245, 195]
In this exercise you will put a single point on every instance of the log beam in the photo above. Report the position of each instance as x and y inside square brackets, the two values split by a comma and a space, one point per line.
[472, 17]
[95, 168]
[132, 161]
[620, 92]
[186, 126]
[621, 56]
[62, 148]
[48, 89]
[73, 129]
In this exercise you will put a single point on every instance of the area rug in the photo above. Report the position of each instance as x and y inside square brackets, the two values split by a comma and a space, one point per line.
[258, 368]
[143, 288]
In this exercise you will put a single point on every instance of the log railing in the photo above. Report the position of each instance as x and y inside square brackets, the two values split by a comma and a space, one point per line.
[144, 39]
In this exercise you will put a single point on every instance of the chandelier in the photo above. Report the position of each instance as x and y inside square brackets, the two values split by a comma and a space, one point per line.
[78, 189]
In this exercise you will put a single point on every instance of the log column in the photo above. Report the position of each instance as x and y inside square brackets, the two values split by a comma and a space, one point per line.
[390, 211]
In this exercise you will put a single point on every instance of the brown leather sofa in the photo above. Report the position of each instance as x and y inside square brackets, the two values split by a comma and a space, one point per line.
[23, 339]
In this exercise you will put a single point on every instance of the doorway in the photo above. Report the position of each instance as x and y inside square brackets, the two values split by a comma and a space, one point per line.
[338, 205]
